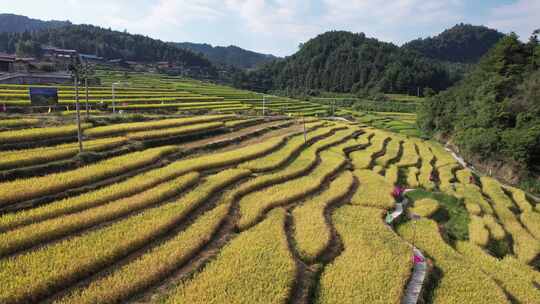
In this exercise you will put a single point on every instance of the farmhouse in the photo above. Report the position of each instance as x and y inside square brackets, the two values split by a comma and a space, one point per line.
[91, 58]
[24, 65]
[165, 65]
[56, 53]
[6, 63]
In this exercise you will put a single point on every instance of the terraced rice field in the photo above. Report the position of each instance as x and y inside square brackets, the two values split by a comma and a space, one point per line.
[145, 92]
[236, 209]
[403, 123]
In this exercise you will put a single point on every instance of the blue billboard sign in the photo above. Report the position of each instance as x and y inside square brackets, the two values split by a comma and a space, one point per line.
[43, 96]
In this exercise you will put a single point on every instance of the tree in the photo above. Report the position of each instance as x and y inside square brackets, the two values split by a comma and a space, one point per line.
[28, 48]
[429, 92]
[463, 43]
[494, 112]
[534, 45]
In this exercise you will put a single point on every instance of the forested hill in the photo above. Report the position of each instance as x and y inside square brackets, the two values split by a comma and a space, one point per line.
[17, 24]
[494, 113]
[231, 55]
[341, 61]
[102, 42]
[463, 43]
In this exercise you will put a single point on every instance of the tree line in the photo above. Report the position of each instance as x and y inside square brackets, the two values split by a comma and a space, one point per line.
[102, 42]
[494, 113]
[345, 62]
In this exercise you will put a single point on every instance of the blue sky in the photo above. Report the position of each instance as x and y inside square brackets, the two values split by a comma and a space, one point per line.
[278, 26]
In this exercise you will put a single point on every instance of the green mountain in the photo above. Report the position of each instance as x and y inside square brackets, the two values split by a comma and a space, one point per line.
[462, 43]
[341, 61]
[11, 23]
[347, 62]
[494, 113]
[230, 55]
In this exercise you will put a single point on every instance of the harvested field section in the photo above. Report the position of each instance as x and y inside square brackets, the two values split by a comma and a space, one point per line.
[392, 174]
[293, 146]
[25, 189]
[165, 208]
[393, 148]
[27, 157]
[412, 177]
[256, 267]
[363, 159]
[426, 169]
[48, 230]
[150, 267]
[525, 246]
[409, 156]
[373, 191]
[138, 183]
[514, 281]
[18, 136]
[478, 232]
[150, 125]
[461, 281]
[311, 231]
[496, 231]
[179, 131]
[254, 205]
[474, 200]
[425, 207]
[26, 277]
[375, 261]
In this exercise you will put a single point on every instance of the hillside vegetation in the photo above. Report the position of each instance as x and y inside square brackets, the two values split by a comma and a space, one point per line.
[345, 62]
[230, 55]
[102, 42]
[110, 44]
[495, 111]
[341, 61]
[463, 43]
[11, 23]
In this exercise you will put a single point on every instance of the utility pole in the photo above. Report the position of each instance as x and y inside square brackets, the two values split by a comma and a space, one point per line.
[264, 106]
[78, 108]
[86, 72]
[113, 97]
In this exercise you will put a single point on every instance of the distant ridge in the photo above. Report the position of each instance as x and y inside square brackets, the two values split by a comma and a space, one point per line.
[230, 55]
[345, 62]
[10, 23]
[106, 43]
[464, 43]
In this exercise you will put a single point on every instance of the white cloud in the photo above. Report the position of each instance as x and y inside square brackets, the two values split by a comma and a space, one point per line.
[294, 21]
[284, 18]
[278, 26]
[180, 12]
[387, 19]
[522, 17]
[166, 14]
